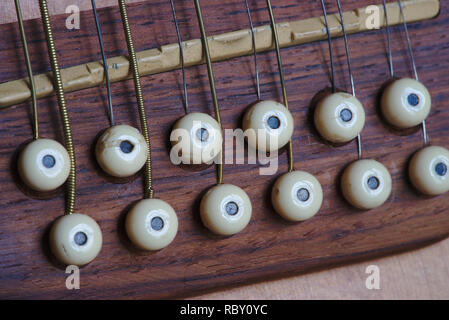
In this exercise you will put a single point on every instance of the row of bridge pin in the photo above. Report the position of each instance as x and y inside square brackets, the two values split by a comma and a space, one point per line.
[225, 209]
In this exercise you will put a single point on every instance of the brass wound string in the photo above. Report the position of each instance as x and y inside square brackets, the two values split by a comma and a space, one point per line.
[71, 181]
[253, 38]
[149, 192]
[29, 69]
[351, 77]
[211, 83]
[105, 64]
[181, 53]
[281, 75]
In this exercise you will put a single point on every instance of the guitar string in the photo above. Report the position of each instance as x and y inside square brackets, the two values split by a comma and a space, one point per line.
[71, 180]
[253, 38]
[409, 43]
[412, 57]
[181, 51]
[388, 31]
[281, 75]
[105, 64]
[410, 49]
[210, 73]
[351, 77]
[329, 41]
[348, 56]
[29, 69]
[149, 192]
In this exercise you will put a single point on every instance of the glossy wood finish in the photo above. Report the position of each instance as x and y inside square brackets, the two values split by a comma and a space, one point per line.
[269, 247]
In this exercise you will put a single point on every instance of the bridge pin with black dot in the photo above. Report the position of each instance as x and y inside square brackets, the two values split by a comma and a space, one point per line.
[269, 123]
[272, 124]
[296, 195]
[196, 137]
[151, 224]
[75, 239]
[121, 151]
[406, 103]
[428, 170]
[225, 209]
[365, 183]
[339, 117]
[43, 164]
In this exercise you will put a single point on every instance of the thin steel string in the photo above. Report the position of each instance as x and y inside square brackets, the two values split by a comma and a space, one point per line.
[351, 77]
[71, 181]
[329, 40]
[348, 56]
[149, 192]
[281, 75]
[210, 73]
[253, 37]
[105, 64]
[412, 57]
[409, 43]
[387, 25]
[29, 69]
[181, 51]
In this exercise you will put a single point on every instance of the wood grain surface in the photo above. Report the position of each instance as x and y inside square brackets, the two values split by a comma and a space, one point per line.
[269, 247]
